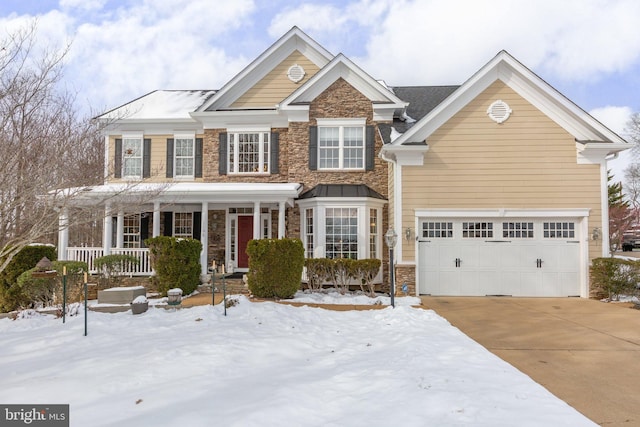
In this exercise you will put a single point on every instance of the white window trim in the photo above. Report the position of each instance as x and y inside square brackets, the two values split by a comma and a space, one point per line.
[341, 123]
[173, 232]
[139, 136]
[192, 137]
[260, 130]
[319, 205]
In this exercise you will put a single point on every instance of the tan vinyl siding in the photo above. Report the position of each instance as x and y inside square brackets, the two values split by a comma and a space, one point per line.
[276, 86]
[158, 158]
[528, 161]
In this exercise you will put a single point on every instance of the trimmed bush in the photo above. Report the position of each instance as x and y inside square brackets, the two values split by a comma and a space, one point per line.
[176, 263]
[111, 267]
[11, 296]
[365, 270]
[275, 267]
[343, 273]
[319, 270]
[615, 277]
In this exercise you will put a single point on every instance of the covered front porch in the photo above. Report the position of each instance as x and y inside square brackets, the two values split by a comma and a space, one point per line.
[223, 216]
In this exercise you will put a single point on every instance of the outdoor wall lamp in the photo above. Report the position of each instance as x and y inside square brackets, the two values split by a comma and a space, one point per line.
[407, 234]
[596, 233]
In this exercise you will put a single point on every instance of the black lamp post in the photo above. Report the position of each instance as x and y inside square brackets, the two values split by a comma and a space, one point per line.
[391, 238]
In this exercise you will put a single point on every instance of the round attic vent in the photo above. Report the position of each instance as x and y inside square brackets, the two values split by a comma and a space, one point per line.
[295, 73]
[499, 111]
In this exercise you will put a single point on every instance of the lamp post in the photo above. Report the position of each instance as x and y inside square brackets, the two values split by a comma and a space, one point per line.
[391, 238]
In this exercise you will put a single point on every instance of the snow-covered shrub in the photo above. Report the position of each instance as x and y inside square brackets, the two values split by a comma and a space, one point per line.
[275, 267]
[615, 277]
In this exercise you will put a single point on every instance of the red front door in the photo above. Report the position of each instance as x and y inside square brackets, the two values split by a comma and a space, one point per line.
[245, 233]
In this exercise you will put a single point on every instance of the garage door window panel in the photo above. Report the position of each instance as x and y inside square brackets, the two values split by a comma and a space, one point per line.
[437, 230]
[477, 230]
[559, 230]
[517, 230]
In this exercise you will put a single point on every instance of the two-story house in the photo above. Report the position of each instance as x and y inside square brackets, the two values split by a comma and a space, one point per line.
[497, 186]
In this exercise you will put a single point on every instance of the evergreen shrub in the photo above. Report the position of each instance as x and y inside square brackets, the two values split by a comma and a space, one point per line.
[176, 262]
[275, 267]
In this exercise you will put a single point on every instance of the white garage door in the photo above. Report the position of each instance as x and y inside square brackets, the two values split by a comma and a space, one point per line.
[518, 257]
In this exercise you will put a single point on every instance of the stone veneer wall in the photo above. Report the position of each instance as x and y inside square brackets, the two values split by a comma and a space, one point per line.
[406, 274]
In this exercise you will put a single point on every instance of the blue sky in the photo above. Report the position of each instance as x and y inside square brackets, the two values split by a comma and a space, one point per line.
[589, 50]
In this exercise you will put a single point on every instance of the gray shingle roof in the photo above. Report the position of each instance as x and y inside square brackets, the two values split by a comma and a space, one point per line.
[341, 190]
[421, 99]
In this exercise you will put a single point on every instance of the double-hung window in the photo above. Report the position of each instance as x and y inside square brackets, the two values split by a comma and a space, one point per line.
[184, 148]
[249, 152]
[341, 144]
[132, 157]
[183, 224]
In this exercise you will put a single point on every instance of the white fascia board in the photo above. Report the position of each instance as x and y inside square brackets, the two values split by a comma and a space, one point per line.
[528, 85]
[384, 112]
[341, 201]
[406, 155]
[223, 119]
[341, 66]
[294, 39]
[156, 127]
[503, 213]
[590, 153]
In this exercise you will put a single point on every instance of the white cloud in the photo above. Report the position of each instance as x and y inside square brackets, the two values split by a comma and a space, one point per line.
[432, 42]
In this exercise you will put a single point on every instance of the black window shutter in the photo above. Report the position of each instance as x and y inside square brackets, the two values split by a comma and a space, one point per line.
[197, 225]
[313, 148]
[168, 223]
[169, 157]
[146, 158]
[198, 166]
[275, 152]
[117, 163]
[222, 151]
[370, 148]
[144, 228]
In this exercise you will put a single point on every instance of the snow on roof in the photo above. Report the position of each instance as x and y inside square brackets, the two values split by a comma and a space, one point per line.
[161, 104]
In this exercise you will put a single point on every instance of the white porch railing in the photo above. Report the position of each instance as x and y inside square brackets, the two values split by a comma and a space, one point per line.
[89, 255]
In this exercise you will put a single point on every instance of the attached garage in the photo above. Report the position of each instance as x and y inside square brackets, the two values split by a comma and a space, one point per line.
[502, 253]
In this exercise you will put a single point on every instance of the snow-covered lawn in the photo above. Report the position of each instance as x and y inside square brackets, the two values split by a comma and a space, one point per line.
[268, 364]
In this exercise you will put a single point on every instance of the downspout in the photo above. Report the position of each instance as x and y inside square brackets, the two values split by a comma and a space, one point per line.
[397, 199]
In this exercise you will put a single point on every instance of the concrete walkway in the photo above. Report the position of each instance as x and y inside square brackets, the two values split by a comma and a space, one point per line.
[585, 352]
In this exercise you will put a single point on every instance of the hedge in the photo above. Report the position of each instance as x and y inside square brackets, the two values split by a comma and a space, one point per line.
[275, 267]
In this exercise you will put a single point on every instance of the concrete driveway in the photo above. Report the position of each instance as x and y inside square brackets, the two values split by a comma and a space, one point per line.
[585, 352]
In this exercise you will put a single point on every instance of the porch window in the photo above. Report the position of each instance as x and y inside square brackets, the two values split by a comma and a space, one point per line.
[183, 224]
[341, 232]
[249, 152]
[132, 157]
[131, 231]
[184, 157]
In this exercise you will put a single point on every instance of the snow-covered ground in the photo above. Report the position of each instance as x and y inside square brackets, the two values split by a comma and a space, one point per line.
[268, 364]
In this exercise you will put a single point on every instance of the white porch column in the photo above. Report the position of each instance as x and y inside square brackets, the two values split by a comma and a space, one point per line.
[204, 234]
[256, 221]
[107, 231]
[120, 230]
[281, 213]
[156, 219]
[63, 234]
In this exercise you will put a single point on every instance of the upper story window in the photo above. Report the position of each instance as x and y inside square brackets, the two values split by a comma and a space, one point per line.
[132, 157]
[341, 144]
[249, 152]
[185, 156]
